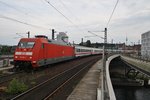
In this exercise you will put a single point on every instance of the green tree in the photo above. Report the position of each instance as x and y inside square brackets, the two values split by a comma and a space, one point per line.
[16, 87]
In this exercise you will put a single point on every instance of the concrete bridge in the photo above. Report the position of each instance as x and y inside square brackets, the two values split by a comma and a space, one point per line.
[124, 72]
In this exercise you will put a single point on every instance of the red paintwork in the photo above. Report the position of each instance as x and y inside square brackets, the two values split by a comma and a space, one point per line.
[55, 51]
[38, 53]
[43, 51]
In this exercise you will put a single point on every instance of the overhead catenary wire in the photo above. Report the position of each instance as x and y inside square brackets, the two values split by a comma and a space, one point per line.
[62, 14]
[15, 20]
[69, 10]
[59, 11]
[19, 10]
[112, 13]
[96, 35]
[71, 13]
[108, 20]
[23, 12]
[10, 6]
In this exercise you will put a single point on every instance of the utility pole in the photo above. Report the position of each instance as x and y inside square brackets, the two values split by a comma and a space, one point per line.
[104, 47]
[125, 47]
[28, 34]
[112, 46]
[105, 42]
[53, 32]
[103, 80]
[105, 37]
[104, 65]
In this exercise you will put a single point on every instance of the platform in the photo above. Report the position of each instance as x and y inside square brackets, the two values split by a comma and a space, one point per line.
[6, 68]
[87, 87]
[6, 65]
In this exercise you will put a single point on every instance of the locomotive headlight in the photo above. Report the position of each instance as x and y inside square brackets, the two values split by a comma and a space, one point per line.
[34, 62]
[16, 56]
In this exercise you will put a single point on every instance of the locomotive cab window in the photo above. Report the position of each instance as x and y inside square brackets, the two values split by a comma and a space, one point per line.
[26, 44]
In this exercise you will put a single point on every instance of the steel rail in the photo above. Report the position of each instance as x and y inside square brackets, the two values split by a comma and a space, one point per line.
[9, 77]
[43, 83]
[67, 81]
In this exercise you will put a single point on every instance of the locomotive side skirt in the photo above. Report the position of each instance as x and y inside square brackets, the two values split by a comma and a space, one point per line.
[53, 60]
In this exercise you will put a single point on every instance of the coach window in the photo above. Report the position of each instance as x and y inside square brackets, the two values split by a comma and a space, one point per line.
[77, 50]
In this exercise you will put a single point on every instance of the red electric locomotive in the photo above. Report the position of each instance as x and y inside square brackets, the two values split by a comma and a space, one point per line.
[40, 51]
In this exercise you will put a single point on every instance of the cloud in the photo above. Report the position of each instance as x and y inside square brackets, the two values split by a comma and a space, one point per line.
[131, 18]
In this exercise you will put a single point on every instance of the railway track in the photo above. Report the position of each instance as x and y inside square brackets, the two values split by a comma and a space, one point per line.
[49, 88]
[63, 91]
[9, 77]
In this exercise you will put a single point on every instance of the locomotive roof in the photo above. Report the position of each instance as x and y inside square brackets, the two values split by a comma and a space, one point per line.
[53, 41]
[48, 40]
[45, 39]
[58, 42]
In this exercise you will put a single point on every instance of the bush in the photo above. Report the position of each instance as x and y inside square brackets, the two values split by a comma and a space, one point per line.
[16, 87]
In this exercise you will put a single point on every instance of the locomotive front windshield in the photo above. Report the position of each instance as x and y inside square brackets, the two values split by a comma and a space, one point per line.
[26, 44]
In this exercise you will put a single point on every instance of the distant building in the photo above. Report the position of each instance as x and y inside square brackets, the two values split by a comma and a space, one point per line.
[145, 49]
[118, 47]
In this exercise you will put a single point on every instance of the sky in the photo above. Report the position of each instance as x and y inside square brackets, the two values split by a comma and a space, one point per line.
[130, 19]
